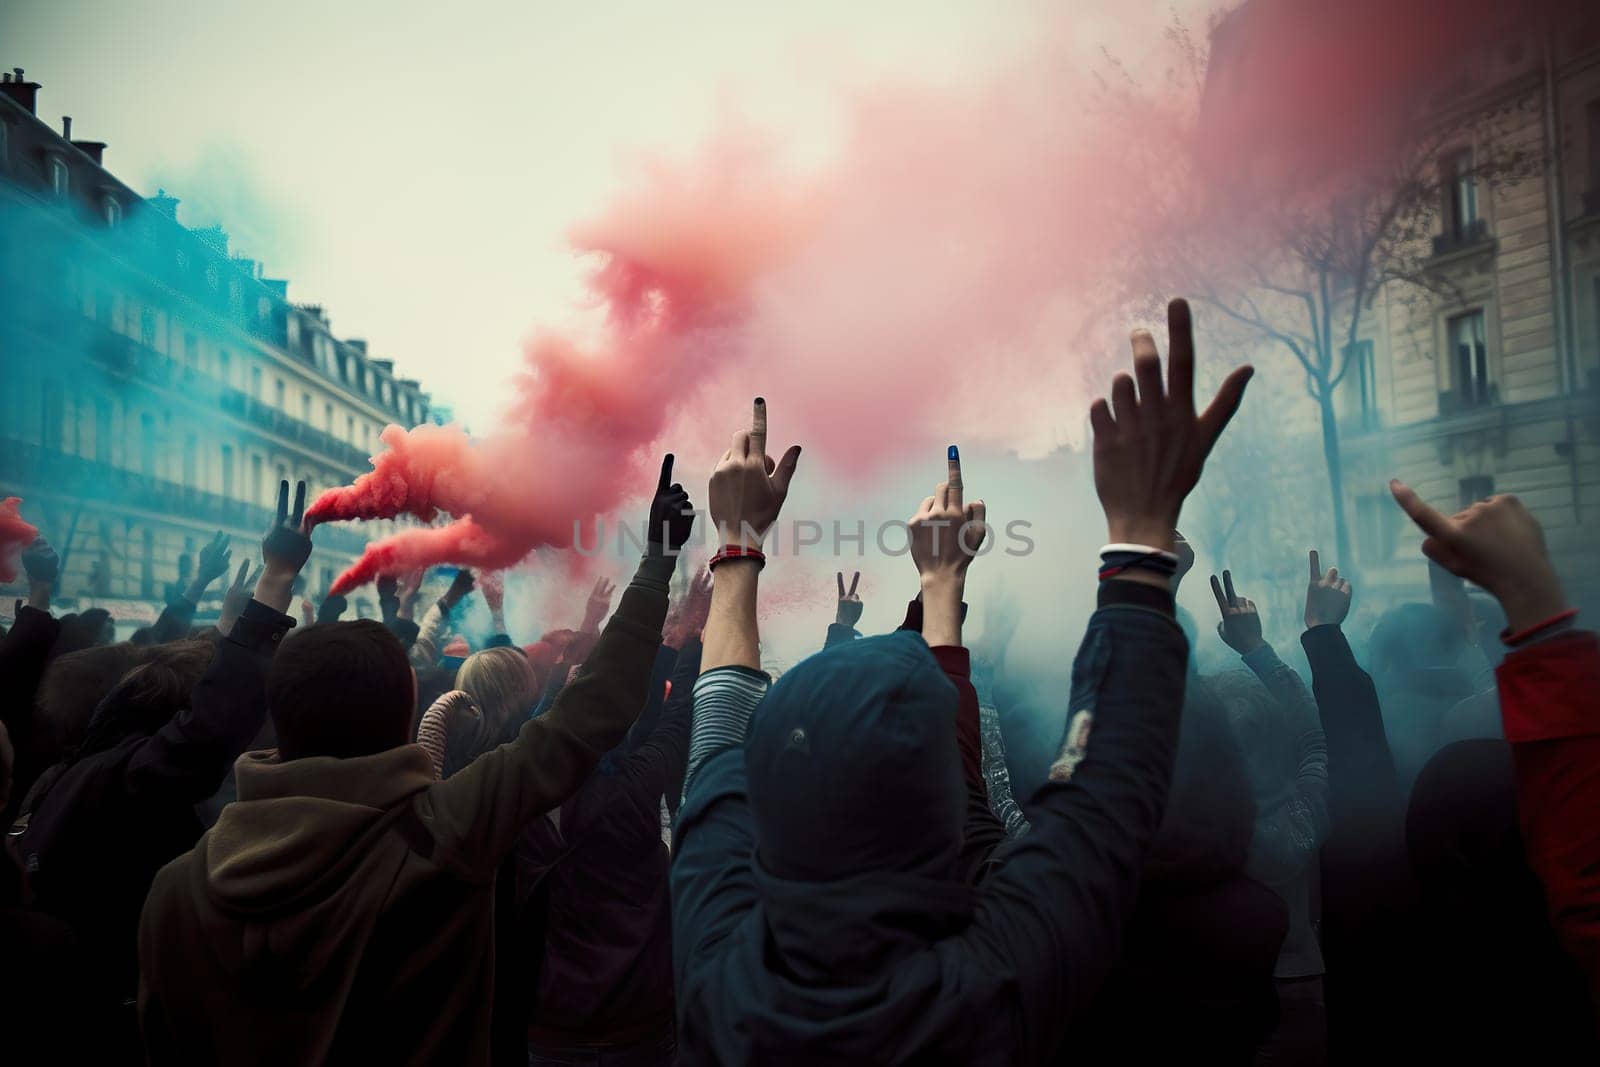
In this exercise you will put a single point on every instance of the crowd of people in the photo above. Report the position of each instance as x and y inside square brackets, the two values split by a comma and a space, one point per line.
[626, 843]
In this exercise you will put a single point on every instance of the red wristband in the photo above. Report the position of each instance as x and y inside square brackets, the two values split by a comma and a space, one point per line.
[736, 552]
[1514, 639]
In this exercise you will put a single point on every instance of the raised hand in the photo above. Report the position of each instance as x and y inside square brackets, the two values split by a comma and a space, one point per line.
[410, 589]
[1149, 451]
[688, 616]
[215, 559]
[946, 532]
[460, 586]
[1240, 628]
[236, 596]
[671, 513]
[1327, 595]
[850, 605]
[40, 562]
[43, 567]
[598, 606]
[284, 550]
[747, 488]
[332, 607]
[1497, 544]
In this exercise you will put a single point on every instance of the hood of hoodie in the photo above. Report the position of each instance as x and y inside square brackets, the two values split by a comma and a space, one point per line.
[853, 765]
[855, 788]
[280, 858]
[295, 824]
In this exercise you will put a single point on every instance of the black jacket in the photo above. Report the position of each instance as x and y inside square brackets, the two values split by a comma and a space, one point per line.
[605, 939]
[818, 912]
[105, 824]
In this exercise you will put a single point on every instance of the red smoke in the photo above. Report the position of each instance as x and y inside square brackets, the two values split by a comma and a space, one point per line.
[938, 280]
[920, 289]
[15, 535]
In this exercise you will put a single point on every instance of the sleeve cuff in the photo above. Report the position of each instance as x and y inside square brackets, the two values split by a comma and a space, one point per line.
[953, 659]
[260, 628]
[1117, 591]
[655, 572]
[1261, 659]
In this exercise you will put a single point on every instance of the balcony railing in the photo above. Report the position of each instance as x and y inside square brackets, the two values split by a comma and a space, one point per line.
[24, 465]
[1462, 237]
[1460, 401]
[126, 356]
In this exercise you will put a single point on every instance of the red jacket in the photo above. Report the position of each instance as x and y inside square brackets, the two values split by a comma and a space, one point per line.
[1550, 703]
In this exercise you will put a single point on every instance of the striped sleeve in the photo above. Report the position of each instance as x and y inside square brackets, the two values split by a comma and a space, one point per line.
[724, 699]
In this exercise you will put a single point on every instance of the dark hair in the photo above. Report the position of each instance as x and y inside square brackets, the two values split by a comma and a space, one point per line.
[73, 685]
[147, 696]
[342, 689]
[87, 629]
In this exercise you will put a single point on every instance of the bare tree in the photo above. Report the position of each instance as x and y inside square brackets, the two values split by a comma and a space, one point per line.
[1299, 264]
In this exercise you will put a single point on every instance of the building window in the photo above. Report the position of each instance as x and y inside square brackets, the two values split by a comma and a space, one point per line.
[255, 384]
[281, 395]
[147, 445]
[225, 367]
[1461, 196]
[327, 418]
[112, 211]
[147, 326]
[258, 489]
[102, 431]
[1469, 354]
[1474, 488]
[1377, 527]
[60, 182]
[212, 277]
[52, 416]
[191, 461]
[305, 408]
[350, 429]
[191, 351]
[147, 566]
[227, 471]
[1363, 368]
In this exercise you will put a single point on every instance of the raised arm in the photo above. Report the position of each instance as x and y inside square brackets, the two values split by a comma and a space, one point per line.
[1548, 703]
[712, 887]
[178, 615]
[189, 756]
[843, 627]
[476, 815]
[1052, 915]
[1288, 838]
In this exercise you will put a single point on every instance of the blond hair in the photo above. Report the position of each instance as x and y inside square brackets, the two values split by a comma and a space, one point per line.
[502, 685]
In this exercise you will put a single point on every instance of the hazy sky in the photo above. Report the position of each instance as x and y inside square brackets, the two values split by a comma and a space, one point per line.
[415, 166]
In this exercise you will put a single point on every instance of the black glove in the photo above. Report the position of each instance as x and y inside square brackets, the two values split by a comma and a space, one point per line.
[331, 608]
[286, 547]
[671, 513]
[41, 561]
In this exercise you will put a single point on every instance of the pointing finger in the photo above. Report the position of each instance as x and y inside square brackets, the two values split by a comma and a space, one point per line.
[953, 475]
[1216, 591]
[665, 479]
[1227, 587]
[1316, 566]
[1432, 523]
[840, 576]
[853, 582]
[758, 427]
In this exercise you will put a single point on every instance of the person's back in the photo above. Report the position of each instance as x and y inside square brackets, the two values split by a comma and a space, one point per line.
[342, 908]
[605, 931]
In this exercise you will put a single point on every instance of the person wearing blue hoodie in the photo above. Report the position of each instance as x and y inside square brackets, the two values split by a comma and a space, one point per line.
[819, 909]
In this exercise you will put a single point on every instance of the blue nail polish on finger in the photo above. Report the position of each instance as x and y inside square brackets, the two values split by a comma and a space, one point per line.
[955, 454]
